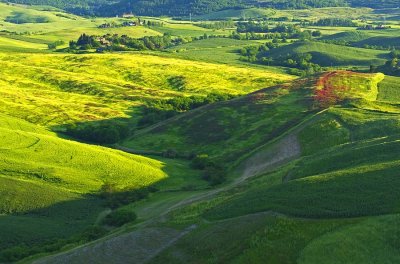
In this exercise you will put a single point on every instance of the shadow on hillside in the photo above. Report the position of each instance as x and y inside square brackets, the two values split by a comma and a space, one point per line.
[111, 131]
[48, 229]
[73, 222]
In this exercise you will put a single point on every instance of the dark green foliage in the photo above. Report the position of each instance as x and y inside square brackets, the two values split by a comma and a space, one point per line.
[14, 254]
[200, 162]
[103, 133]
[214, 174]
[115, 42]
[335, 22]
[22, 18]
[218, 25]
[301, 63]
[55, 44]
[115, 197]
[87, 7]
[392, 66]
[160, 110]
[184, 7]
[119, 217]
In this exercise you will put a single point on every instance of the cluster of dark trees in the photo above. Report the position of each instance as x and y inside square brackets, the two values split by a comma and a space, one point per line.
[160, 110]
[299, 64]
[256, 30]
[334, 22]
[12, 255]
[110, 132]
[107, 132]
[391, 67]
[114, 197]
[186, 7]
[116, 42]
[261, 26]
[212, 171]
[218, 25]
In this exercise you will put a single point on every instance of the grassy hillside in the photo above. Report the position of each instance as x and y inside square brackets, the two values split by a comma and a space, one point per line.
[337, 186]
[218, 159]
[331, 55]
[361, 38]
[48, 183]
[110, 86]
[318, 181]
[234, 127]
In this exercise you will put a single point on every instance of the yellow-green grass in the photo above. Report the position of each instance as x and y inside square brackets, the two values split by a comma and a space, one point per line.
[50, 184]
[314, 14]
[389, 90]
[55, 89]
[218, 50]
[13, 45]
[237, 14]
[356, 85]
[39, 156]
[187, 30]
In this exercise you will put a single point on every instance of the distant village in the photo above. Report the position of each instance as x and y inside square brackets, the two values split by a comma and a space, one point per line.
[372, 27]
[131, 23]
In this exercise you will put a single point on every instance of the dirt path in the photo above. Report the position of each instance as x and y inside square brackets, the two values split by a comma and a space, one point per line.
[135, 247]
[142, 245]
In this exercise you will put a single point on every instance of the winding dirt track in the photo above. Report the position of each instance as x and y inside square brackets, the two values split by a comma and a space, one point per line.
[142, 245]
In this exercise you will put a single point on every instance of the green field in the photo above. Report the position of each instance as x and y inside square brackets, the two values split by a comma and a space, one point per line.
[221, 159]
[329, 55]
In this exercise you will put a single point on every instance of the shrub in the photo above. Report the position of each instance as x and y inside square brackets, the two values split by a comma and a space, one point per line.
[214, 175]
[119, 217]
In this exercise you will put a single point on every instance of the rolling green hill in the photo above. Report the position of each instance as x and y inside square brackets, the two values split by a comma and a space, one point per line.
[332, 191]
[208, 155]
[57, 83]
[48, 184]
[384, 39]
[331, 55]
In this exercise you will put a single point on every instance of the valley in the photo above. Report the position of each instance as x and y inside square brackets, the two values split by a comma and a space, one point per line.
[267, 133]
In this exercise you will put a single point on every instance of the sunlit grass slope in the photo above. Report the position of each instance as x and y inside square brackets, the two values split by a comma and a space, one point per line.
[31, 155]
[58, 89]
[48, 184]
